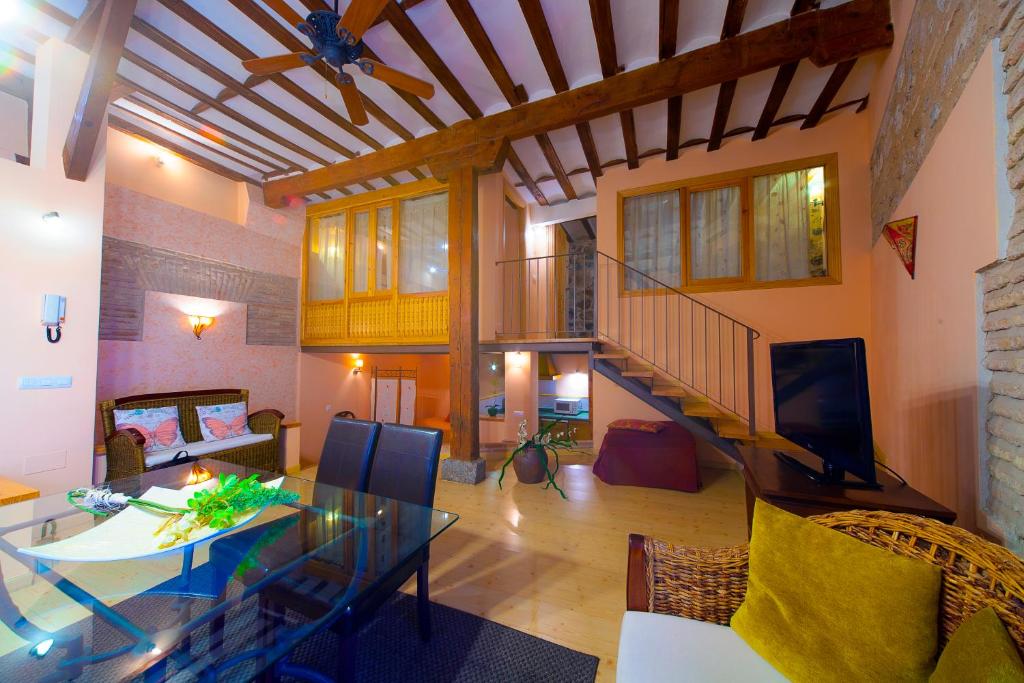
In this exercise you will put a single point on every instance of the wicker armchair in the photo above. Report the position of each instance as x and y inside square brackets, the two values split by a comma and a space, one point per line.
[709, 585]
[125, 457]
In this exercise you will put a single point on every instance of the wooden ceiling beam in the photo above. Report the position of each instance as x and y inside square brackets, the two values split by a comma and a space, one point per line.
[823, 36]
[136, 131]
[780, 85]
[405, 27]
[210, 141]
[668, 28]
[517, 165]
[195, 93]
[541, 32]
[604, 33]
[203, 142]
[192, 59]
[513, 94]
[859, 103]
[291, 43]
[82, 33]
[206, 129]
[216, 34]
[111, 28]
[730, 27]
[828, 93]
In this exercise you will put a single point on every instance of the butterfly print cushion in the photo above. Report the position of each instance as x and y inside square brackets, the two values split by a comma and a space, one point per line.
[159, 426]
[223, 421]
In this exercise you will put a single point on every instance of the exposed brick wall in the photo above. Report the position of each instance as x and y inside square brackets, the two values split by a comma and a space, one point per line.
[1004, 310]
[944, 41]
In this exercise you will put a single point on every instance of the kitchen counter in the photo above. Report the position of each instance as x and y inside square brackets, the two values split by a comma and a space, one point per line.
[547, 414]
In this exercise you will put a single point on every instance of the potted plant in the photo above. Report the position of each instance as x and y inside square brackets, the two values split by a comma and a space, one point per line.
[531, 459]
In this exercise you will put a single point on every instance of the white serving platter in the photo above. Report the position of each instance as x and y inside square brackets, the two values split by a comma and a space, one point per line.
[129, 534]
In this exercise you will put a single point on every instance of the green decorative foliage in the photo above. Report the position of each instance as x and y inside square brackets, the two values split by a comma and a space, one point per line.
[547, 445]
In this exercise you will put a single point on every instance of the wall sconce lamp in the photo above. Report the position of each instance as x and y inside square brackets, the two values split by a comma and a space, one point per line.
[359, 366]
[199, 324]
[198, 475]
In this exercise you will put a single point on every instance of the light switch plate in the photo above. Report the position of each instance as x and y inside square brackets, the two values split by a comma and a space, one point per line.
[45, 382]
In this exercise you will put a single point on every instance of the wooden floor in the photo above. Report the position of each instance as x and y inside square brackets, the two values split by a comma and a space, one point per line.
[557, 569]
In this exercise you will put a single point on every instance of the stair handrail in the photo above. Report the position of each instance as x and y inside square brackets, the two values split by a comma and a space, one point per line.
[677, 291]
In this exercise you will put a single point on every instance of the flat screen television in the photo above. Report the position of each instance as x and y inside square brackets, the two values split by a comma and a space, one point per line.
[820, 391]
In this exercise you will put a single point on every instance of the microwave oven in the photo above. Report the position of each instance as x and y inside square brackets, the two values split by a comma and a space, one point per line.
[568, 406]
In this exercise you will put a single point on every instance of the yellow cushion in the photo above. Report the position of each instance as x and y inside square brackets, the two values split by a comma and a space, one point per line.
[823, 606]
[980, 650]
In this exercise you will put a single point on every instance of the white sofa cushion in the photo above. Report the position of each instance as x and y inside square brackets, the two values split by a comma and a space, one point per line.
[205, 447]
[658, 648]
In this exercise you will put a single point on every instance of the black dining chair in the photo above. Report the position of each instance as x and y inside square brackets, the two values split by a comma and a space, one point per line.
[405, 468]
[348, 453]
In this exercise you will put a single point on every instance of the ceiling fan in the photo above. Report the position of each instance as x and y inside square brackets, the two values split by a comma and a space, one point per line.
[338, 41]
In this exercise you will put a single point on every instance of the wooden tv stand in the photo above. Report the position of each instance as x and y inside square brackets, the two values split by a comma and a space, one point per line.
[775, 482]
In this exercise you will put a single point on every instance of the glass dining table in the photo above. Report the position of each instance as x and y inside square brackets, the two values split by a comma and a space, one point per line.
[219, 610]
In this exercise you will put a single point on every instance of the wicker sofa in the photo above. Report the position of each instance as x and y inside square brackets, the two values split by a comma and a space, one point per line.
[126, 458]
[700, 587]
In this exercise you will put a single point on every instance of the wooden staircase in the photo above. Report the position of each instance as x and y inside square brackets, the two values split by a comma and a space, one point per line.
[691, 403]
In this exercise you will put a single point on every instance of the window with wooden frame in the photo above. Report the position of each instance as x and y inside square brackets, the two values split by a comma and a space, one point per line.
[770, 226]
[364, 250]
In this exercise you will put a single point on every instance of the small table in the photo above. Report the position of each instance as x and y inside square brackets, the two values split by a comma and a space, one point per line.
[168, 614]
[775, 482]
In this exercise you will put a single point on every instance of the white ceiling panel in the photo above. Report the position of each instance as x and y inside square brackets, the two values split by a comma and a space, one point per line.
[573, 33]
[389, 46]
[651, 126]
[570, 150]
[506, 27]
[804, 90]
[748, 102]
[636, 32]
[608, 138]
[698, 113]
[635, 25]
[437, 23]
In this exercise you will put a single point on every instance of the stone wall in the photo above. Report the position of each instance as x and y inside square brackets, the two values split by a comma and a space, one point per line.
[1003, 284]
[944, 41]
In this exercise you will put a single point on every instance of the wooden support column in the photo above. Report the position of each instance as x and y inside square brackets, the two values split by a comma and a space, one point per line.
[465, 464]
[107, 25]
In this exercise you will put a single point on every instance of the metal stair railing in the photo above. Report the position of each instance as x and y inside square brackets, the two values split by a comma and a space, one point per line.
[589, 294]
[699, 347]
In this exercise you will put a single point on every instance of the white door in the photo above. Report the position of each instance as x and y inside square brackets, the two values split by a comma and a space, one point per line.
[386, 400]
[407, 410]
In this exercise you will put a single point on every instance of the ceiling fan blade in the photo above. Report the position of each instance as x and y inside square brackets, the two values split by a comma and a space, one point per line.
[276, 64]
[285, 12]
[353, 101]
[399, 79]
[359, 16]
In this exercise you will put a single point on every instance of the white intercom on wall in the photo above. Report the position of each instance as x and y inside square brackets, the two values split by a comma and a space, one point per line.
[53, 316]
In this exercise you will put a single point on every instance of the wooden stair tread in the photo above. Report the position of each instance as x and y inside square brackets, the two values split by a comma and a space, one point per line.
[644, 374]
[672, 392]
[611, 356]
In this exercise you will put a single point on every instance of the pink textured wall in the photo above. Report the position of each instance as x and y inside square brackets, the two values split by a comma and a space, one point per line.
[924, 357]
[40, 258]
[779, 314]
[329, 386]
[169, 358]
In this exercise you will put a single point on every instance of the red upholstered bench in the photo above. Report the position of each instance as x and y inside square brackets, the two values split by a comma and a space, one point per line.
[666, 460]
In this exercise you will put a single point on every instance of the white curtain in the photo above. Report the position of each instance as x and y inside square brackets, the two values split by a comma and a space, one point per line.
[781, 226]
[650, 236]
[423, 244]
[383, 248]
[326, 268]
[361, 252]
[716, 234]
